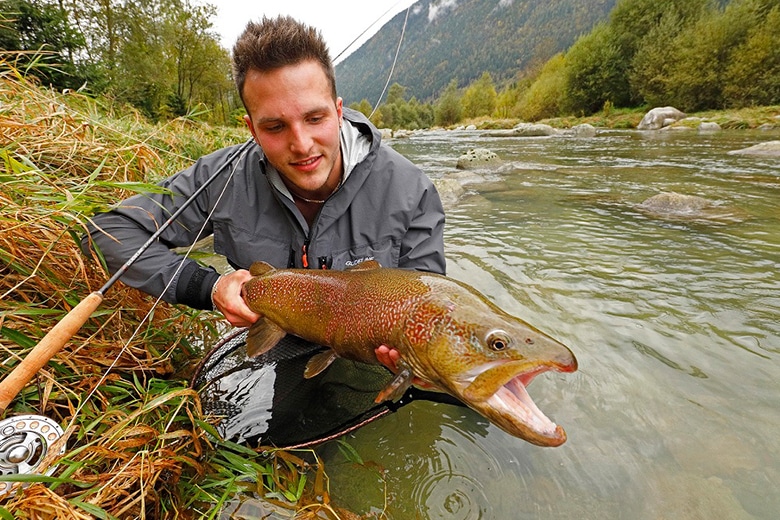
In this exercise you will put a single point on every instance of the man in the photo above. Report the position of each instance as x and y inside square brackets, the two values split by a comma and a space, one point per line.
[317, 189]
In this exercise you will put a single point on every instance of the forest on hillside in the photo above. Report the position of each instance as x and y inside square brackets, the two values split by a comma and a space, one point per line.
[460, 59]
[693, 54]
[444, 41]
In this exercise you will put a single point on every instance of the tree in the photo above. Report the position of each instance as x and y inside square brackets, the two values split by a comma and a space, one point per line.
[363, 107]
[447, 110]
[47, 42]
[595, 73]
[545, 96]
[480, 97]
[753, 74]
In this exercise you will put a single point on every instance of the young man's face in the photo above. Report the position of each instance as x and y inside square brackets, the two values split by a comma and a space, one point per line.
[292, 116]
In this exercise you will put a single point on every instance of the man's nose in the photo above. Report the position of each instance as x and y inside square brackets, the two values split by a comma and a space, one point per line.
[300, 139]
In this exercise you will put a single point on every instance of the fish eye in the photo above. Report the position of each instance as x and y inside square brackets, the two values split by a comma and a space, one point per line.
[498, 340]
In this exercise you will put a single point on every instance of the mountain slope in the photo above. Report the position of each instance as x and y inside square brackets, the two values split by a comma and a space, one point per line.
[446, 39]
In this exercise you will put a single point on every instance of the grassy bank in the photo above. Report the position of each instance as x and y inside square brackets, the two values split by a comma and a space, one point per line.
[138, 445]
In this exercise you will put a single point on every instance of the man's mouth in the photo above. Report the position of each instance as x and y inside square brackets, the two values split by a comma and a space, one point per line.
[307, 164]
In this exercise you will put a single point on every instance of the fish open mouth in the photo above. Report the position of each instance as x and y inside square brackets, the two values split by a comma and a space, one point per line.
[499, 393]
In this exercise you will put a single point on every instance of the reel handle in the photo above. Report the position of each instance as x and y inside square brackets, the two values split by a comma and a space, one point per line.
[49, 345]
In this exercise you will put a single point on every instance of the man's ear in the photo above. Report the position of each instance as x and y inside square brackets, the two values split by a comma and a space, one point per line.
[248, 121]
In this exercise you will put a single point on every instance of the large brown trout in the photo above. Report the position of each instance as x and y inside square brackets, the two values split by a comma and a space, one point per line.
[450, 337]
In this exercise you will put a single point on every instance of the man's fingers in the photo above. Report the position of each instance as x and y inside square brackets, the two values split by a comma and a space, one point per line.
[228, 300]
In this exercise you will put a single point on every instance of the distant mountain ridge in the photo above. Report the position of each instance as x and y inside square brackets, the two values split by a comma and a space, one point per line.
[446, 39]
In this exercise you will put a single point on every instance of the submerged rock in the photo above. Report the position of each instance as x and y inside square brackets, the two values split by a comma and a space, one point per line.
[767, 149]
[672, 203]
[450, 190]
[690, 207]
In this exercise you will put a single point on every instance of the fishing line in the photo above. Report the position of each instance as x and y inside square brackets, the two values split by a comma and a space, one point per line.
[365, 31]
[395, 60]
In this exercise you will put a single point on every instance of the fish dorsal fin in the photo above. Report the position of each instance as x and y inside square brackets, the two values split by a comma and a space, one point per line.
[366, 265]
[261, 268]
[262, 336]
[318, 363]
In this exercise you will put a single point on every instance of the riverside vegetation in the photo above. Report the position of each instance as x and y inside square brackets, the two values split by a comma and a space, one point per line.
[138, 443]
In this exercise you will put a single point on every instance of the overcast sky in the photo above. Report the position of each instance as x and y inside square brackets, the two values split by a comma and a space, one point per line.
[341, 21]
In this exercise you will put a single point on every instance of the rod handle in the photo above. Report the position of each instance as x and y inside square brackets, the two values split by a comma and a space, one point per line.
[49, 345]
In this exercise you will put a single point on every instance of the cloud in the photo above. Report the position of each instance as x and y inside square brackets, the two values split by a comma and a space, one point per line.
[440, 8]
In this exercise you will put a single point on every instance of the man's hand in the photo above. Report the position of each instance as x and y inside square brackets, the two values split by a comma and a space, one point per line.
[388, 357]
[228, 300]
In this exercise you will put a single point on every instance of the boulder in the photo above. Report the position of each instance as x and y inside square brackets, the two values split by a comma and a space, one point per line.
[583, 130]
[709, 126]
[660, 117]
[525, 130]
[533, 130]
[765, 149]
[477, 158]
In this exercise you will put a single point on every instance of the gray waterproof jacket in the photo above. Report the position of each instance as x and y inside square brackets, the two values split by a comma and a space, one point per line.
[386, 209]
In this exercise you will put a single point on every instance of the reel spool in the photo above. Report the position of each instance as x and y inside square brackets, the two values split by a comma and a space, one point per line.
[25, 440]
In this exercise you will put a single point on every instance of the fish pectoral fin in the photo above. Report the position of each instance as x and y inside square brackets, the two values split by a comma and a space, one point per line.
[318, 363]
[260, 268]
[262, 336]
[396, 388]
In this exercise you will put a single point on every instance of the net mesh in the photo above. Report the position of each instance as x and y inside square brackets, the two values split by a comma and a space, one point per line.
[266, 401]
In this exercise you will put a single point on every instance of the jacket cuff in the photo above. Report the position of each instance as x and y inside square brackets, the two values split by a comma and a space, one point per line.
[194, 286]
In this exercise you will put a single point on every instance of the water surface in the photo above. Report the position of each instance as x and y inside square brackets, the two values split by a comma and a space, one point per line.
[675, 410]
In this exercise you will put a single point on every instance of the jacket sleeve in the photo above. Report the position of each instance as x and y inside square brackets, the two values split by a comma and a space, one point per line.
[119, 233]
[422, 247]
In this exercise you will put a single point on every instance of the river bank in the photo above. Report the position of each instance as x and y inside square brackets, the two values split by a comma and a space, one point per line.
[743, 118]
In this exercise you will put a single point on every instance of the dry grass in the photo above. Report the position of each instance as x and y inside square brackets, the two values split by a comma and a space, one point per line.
[138, 445]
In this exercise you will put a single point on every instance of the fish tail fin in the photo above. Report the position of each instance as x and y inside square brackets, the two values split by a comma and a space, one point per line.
[262, 336]
[318, 363]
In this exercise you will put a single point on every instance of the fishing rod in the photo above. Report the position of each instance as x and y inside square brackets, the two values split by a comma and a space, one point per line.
[56, 338]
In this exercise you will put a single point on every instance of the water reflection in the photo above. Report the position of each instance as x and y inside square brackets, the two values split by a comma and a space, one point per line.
[676, 406]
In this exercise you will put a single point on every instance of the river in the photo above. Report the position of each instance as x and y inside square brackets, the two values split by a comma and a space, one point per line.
[675, 409]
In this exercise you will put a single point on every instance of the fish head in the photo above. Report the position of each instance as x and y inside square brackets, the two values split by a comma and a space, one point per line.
[486, 358]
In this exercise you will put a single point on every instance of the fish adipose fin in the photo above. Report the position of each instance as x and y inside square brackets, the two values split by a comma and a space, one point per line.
[262, 336]
[318, 363]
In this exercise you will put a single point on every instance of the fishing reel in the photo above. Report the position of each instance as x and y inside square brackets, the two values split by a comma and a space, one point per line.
[25, 441]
